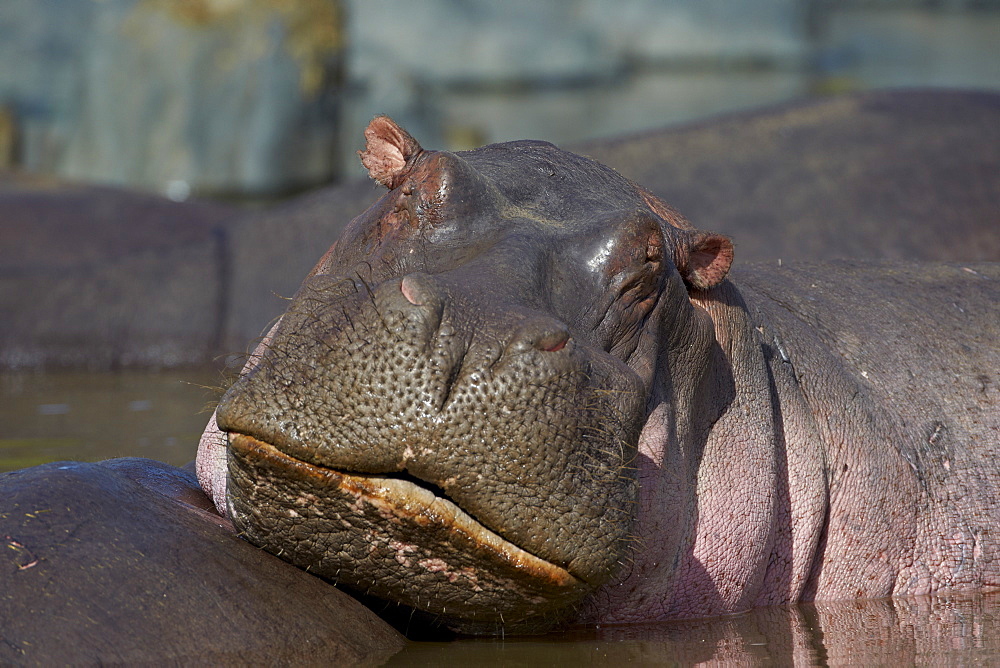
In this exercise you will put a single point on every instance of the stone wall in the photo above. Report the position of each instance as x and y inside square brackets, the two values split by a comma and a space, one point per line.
[217, 96]
[263, 97]
[464, 73]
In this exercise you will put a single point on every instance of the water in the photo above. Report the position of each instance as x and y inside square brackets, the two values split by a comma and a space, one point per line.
[951, 631]
[53, 416]
[89, 417]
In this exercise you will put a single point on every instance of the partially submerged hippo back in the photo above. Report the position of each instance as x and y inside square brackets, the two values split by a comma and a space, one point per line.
[519, 390]
[124, 563]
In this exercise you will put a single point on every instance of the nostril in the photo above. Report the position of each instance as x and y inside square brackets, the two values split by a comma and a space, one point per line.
[411, 289]
[422, 294]
[420, 290]
[543, 334]
[552, 341]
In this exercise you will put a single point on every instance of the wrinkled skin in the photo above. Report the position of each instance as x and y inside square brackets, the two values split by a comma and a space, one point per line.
[520, 390]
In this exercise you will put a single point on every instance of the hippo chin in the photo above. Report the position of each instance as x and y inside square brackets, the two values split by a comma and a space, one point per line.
[520, 390]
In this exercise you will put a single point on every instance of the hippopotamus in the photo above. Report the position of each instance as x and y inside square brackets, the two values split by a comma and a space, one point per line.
[522, 391]
[126, 562]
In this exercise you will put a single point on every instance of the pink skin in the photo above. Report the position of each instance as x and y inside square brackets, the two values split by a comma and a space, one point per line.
[740, 551]
[210, 463]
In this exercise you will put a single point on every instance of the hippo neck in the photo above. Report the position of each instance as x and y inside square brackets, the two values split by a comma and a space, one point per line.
[714, 519]
[727, 556]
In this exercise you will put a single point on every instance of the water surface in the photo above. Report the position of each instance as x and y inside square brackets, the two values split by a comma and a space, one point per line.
[93, 416]
[85, 416]
[922, 631]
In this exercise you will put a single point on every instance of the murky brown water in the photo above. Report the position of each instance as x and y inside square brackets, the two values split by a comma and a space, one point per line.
[47, 417]
[945, 631]
[89, 417]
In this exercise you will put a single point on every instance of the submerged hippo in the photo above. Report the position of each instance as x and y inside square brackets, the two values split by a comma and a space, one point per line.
[521, 391]
[125, 562]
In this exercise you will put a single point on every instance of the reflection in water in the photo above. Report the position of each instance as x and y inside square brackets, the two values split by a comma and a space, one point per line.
[89, 417]
[946, 630]
[47, 417]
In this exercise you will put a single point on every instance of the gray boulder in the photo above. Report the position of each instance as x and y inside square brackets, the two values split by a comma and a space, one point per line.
[100, 277]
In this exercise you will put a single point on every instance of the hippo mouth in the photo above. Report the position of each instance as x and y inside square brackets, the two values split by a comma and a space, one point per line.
[391, 537]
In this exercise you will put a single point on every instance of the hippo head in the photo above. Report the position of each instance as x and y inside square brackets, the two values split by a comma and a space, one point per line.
[447, 415]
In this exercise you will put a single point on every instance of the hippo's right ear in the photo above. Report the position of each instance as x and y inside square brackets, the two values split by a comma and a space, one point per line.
[389, 151]
[703, 258]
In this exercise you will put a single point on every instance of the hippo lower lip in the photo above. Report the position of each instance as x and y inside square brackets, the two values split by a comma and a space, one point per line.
[402, 519]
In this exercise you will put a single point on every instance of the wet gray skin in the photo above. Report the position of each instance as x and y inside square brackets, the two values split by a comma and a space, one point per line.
[448, 414]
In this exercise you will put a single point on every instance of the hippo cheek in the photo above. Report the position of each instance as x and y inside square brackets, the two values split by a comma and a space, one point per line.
[393, 539]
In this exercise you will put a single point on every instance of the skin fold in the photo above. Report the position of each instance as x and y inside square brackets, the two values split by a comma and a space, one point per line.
[521, 391]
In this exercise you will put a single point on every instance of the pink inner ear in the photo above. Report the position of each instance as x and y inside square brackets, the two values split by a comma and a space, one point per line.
[709, 261]
[388, 151]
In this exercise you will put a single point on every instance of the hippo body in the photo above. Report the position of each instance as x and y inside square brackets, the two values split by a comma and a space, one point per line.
[521, 390]
[862, 467]
[125, 562]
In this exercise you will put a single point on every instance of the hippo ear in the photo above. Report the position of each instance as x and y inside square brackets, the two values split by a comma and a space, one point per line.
[704, 258]
[389, 151]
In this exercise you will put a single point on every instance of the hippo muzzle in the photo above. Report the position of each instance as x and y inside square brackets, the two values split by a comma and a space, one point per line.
[435, 451]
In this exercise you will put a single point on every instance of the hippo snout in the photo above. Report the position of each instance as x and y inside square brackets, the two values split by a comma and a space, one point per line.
[405, 363]
[496, 411]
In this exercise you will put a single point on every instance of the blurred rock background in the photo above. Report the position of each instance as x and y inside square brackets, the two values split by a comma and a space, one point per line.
[267, 97]
[110, 109]
[260, 99]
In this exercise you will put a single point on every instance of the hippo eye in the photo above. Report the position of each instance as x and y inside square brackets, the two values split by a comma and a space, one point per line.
[420, 203]
[639, 287]
[639, 278]
[638, 282]
[429, 203]
[639, 260]
[633, 268]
